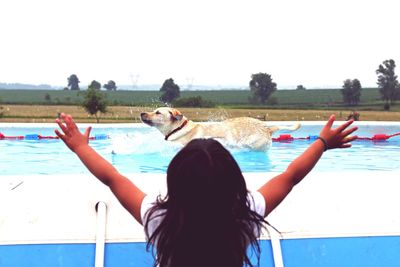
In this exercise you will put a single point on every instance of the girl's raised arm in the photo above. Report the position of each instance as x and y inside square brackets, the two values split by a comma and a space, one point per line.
[128, 194]
[276, 189]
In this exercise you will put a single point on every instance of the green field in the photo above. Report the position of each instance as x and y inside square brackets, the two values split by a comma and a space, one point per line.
[305, 99]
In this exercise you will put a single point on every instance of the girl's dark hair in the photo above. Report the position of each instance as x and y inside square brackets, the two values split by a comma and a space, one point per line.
[206, 215]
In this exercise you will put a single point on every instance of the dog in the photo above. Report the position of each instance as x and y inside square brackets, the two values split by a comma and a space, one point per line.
[241, 132]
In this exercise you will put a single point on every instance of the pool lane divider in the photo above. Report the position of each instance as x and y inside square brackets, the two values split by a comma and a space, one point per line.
[281, 138]
[42, 137]
[376, 137]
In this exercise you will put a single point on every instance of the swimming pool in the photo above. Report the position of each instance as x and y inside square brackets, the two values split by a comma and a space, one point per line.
[134, 148]
[345, 213]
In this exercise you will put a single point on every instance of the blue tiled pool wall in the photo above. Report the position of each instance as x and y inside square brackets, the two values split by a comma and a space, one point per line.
[378, 251]
[83, 255]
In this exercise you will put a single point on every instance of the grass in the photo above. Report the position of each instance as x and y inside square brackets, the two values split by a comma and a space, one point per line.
[127, 114]
[318, 98]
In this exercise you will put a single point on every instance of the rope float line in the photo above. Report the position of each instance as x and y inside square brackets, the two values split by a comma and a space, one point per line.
[376, 137]
[41, 137]
[281, 138]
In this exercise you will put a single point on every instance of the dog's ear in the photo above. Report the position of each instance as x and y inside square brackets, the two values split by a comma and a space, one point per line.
[176, 114]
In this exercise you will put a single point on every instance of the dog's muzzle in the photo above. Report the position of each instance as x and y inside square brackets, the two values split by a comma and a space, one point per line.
[144, 118]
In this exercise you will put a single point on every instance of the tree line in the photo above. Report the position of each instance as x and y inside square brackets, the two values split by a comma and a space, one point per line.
[261, 85]
[73, 84]
[388, 85]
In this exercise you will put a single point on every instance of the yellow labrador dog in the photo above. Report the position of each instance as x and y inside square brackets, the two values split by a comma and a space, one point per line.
[242, 132]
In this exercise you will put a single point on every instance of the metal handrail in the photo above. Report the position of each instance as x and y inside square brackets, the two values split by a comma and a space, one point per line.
[101, 209]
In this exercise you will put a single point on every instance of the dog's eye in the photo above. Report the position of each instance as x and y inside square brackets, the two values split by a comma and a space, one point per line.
[158, 112]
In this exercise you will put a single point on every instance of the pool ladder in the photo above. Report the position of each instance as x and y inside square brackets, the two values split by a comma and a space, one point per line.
[101, 220]
[101, 210]
[275, 238]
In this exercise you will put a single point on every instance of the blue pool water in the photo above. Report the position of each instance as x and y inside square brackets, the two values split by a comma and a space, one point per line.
[137, 148]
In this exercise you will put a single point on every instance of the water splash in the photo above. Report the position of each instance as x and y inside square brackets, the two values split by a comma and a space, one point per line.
[142, 143]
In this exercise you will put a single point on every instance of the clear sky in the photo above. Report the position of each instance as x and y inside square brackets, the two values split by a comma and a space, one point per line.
[316, 43]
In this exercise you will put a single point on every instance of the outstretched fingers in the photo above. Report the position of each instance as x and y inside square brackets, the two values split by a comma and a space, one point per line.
[346, 142]
[345, 145]
[344, 126]
[330, 121]
[70, 133]
[346, 138]
[347, 132]
[87, 132]
[69, 122]
[62, 126]
[338, 137]
[60, 135]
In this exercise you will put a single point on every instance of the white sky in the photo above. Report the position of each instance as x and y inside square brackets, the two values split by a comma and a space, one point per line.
[316, 43]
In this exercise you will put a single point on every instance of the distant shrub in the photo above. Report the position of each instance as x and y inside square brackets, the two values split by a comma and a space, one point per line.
[386, 106]
[47, 97]
[194, 101]
[1, 110]
[271, 101]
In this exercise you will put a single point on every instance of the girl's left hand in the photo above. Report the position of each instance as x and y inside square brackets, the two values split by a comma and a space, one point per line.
[71, 135]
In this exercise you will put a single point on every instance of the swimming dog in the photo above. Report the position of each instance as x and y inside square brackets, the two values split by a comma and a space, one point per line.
[242, 132]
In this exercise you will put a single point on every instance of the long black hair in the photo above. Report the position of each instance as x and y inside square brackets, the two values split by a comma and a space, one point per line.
[205, 218]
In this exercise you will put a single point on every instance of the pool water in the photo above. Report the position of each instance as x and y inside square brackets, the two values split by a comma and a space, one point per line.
[136, 148]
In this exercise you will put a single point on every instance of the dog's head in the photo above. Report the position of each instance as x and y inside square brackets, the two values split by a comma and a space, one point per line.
[164, 118]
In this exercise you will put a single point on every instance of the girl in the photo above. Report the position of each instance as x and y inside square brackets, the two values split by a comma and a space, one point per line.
[208, 217]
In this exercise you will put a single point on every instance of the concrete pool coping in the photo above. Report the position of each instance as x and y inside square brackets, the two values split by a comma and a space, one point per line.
[60, 208]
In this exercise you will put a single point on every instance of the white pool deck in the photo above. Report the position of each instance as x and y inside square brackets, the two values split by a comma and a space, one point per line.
[37, 209]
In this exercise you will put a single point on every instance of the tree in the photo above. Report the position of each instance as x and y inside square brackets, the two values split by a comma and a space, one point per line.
[94, 102]
[94, 85]
[1, 110]
[262, 87]
[73, 82]
[387, 82]
[47, 97]
[193, 101]
[110, 86]
[300, 87]
[170, 91]
[351, 91]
